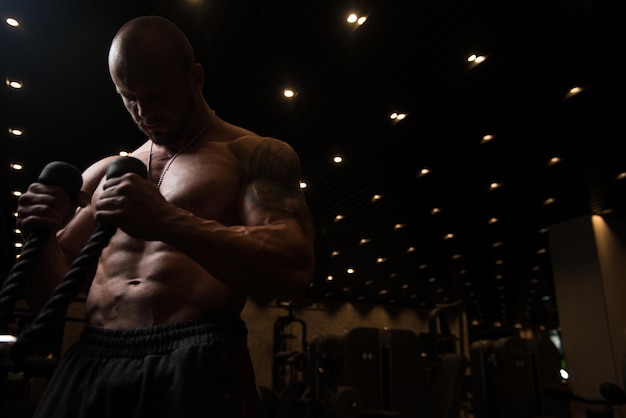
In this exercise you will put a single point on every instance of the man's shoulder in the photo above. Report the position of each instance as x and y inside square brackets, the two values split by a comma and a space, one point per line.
[254, 150]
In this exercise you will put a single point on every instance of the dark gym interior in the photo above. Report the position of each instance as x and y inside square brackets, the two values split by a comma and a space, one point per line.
[471, 238]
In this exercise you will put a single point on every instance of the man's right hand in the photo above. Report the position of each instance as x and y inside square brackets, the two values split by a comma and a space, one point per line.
[46, 207]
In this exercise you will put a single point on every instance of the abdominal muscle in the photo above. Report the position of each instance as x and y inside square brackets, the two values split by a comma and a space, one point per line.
[140, 284]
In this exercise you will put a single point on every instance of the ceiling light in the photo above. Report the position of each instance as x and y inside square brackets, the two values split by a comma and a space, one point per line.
[480, 59]
[574, 91]
[476, 59]
[14, 84]
[337, 159]
[16, 166]
[289, 93]
[353, 18]
[6, 338]
[549, 201]
[16, 132]
[554, 160]
[12, 22]
[486, 138]
[423, 172]
[303, 185]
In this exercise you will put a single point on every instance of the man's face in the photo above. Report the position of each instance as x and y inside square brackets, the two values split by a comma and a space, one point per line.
[157, 95]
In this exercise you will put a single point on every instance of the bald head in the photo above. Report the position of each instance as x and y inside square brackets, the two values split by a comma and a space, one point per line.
[152, 65]
[149, 36]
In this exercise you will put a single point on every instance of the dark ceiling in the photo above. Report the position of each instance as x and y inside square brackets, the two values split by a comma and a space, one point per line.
[409, 57]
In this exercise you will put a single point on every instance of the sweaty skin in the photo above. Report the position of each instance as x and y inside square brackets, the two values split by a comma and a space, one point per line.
[228, 222]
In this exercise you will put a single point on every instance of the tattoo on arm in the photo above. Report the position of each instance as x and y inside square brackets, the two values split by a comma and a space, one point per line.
[274, 182]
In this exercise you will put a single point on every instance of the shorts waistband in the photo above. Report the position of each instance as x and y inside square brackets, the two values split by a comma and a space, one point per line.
[161, 338]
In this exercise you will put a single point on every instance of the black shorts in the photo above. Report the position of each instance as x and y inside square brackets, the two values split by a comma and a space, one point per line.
[189, 369]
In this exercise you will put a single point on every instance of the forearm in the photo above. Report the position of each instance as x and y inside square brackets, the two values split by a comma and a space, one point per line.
[263, 262]
[47, 273]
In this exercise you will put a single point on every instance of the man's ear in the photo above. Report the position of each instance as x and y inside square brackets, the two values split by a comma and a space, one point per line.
[196, 76]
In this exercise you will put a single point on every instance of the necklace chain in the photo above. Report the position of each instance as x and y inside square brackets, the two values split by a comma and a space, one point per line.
[180, 151]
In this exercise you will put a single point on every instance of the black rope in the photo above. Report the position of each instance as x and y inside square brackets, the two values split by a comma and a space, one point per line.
[20, 272]
[56, 307]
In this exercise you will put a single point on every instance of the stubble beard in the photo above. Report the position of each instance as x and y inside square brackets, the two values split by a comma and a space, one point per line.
[175, 134]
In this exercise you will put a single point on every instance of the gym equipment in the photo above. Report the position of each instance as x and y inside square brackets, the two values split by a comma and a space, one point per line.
[365, 372]
[509, 377]
[447, 390]
[343, 402]
[82, 269]
[56, 173]
[371, 372]
[612, 395]
[286, 361]
[268, 402]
